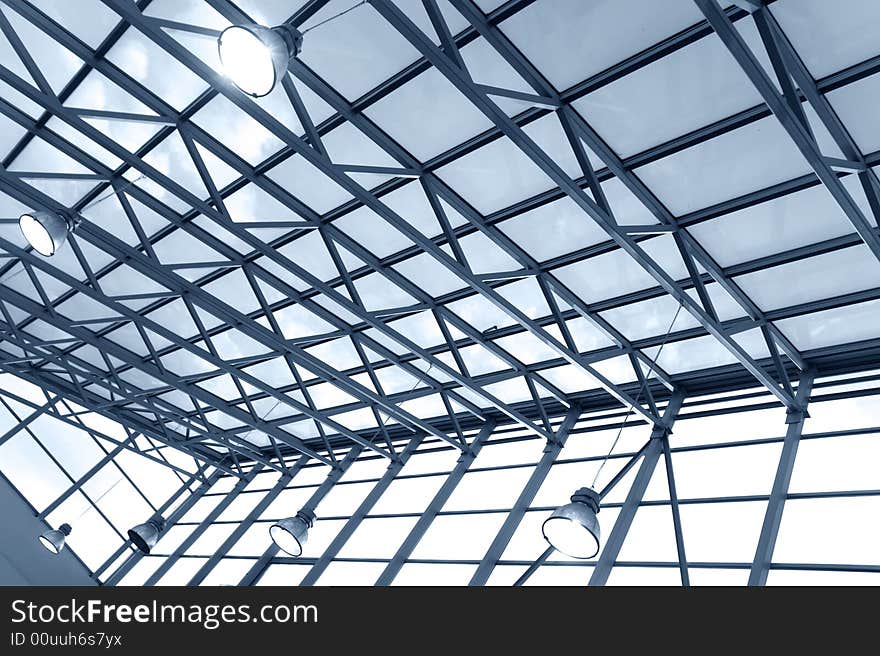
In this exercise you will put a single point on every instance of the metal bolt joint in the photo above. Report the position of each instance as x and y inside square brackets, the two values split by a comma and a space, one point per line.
[307, 515]
[796, 415]
[587, 496]
[292, 38]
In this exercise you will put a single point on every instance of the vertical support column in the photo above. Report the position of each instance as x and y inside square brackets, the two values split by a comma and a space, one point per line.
[247, 522]
[676, 516]
[362, 511]
[181, 510]
[515, 516]
[624, 520]
[259, 568]
[418, 531]
[773, 516]
[197, 532]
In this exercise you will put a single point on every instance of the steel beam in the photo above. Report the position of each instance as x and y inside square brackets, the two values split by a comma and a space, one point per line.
[203, 526]
[513, 519]
[704, 315]
[144, 24]
[776, 504]
[215, 462]
[609, 553]
[841, 77]
[425, 520]
[167, 277]
[252, 577]
[136, 555]
[245, 524]
[534, 152]
[674, 43]
[676, 516]
[345, 533]
[789, 119]
[239, 231]
[106, 346]
[137, 422]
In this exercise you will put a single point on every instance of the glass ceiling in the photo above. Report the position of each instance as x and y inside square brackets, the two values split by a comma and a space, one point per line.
[451, 213]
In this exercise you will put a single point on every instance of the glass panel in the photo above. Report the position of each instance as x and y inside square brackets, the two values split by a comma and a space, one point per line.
[741, 470]
[651, 537]
[459, 536]
[408, 495]
[346, 573]
[415, 114]
[378, 537]
[29, 469]
[707, 576]
[773, 227]
[484, 490]
[808, 578]
[142, 571]
[644, 576]
[210, 540]
[343, 500]
[357, 51]
[829, 40]
[722, 532]
[848, 99]
[229, 571]
[428, 574]
[589, 279]
[201, 508]
[829, 531]
[150, 65]
[56, 63]
[730, 427]
[749, 158]
[553, 229]
[182, 571]
[836, 463]
[572, 40]
[74, 449]
[814, 278]
[851, 323]
[495, 176]
[692, 87]
[841, 414]
[287, 575]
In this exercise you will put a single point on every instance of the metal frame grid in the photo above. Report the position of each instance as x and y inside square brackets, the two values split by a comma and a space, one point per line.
[725, 463]
[285, 308]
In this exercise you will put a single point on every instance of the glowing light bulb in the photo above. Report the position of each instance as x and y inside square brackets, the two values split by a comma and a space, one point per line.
[254, 57]
[46, 232]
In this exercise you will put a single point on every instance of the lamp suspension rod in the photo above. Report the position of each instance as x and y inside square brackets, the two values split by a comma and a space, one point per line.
[653, 363]
[333, 18]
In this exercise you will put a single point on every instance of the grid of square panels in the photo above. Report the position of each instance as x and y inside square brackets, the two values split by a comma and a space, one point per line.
[435, 522]
[252, 291]
[80, 468]
[255, 279]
